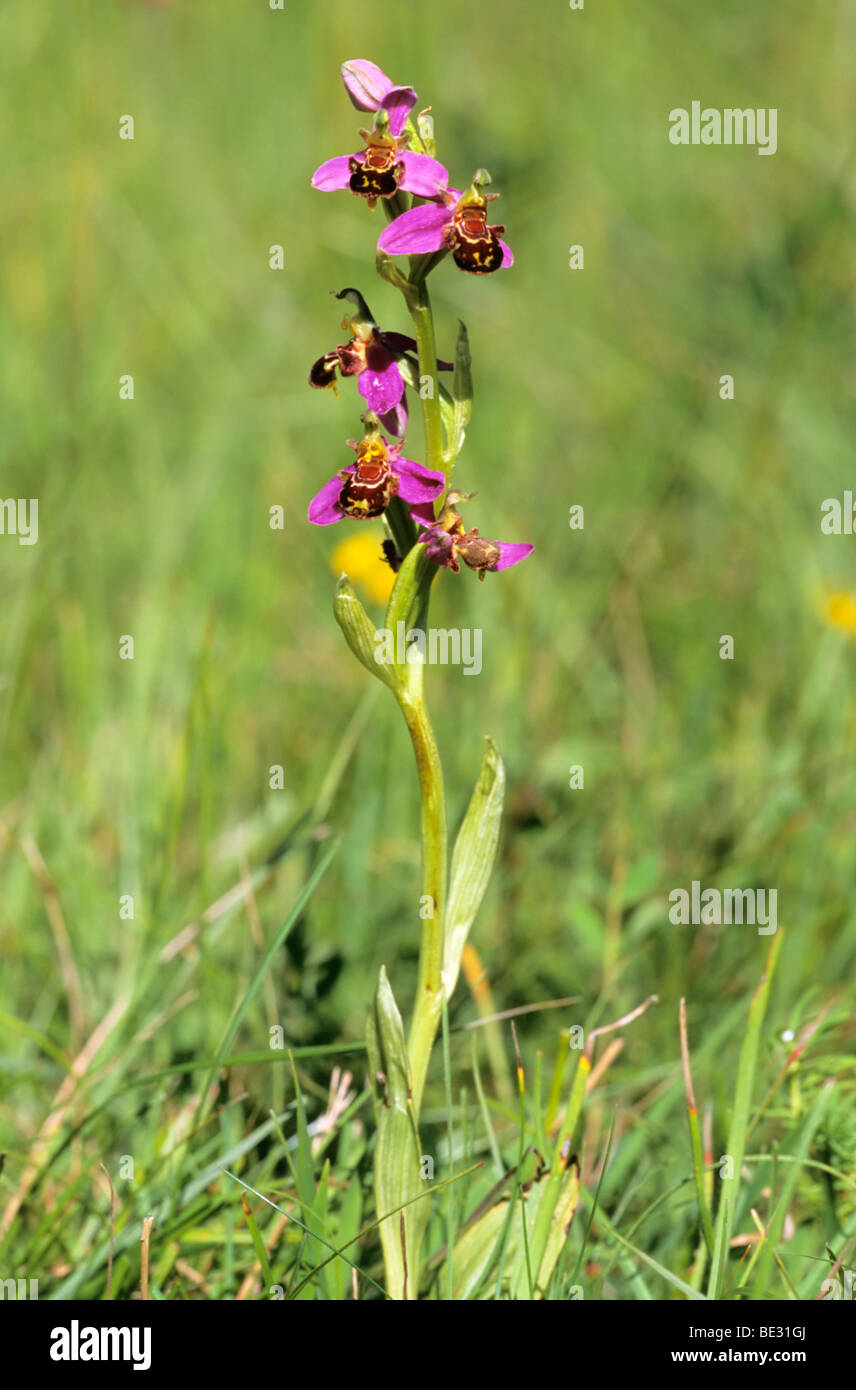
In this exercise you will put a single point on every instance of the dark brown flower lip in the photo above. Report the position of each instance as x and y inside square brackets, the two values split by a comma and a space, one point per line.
[452, 221]
[323, 372]
[474, 245]
[368, 491]
[375, 180]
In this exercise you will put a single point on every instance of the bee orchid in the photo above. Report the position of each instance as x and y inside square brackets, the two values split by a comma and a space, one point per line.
[447, 542]
[383, 168]
[371, 355]
[366, 487]
[455, 222]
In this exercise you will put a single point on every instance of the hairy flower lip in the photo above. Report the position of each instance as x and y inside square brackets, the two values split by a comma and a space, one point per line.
[412, 483]
[370, 89]
[403, 169]
[431, 227]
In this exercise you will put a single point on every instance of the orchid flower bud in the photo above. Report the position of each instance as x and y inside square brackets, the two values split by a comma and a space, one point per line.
[425, 126]
[370, 89]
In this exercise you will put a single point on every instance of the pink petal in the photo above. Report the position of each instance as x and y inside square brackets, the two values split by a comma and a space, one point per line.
[512, 552]
[365, 83]
[423, 176]
[381, 384]
[420, 229]
[507, 253]
[336, 173]
[369, 88]
[399, 102]
[418, 484]
[324, 508]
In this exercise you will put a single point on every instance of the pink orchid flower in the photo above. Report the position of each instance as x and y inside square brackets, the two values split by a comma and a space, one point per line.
[371, 356]
[453, 222]
[382, 168]
[365, 488]
[446, 541]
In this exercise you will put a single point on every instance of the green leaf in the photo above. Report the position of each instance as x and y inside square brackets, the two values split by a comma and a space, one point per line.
[398, 1177]
[321, 1211]
[409, 369]
[736, 1146]
[270, 955]
[258, 1242]
[347, 1230]
[360, 632]
[313, 1203]
[672, 1279]
[499, 1230]
[777, 1221]
[407, 609]
[462, 393]
[560, 1224]
[476, 1251]
[388, 1039]
[472, 861]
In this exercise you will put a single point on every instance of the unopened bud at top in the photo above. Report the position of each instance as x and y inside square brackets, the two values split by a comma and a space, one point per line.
[370, 90]
[425, 126]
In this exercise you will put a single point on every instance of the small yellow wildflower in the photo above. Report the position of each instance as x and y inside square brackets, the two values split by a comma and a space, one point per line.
[840, 611]
[361, 558]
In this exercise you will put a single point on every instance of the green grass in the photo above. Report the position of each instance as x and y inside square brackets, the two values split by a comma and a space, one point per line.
[151, 777]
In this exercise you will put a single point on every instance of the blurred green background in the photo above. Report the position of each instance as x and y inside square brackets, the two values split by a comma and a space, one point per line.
[597, 387]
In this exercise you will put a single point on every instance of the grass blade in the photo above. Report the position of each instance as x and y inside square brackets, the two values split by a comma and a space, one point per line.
[736, 1147]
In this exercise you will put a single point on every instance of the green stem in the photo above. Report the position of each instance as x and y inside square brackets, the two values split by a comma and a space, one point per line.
[401, 527]
[429, 993]
[429, 990]
[419, 304]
